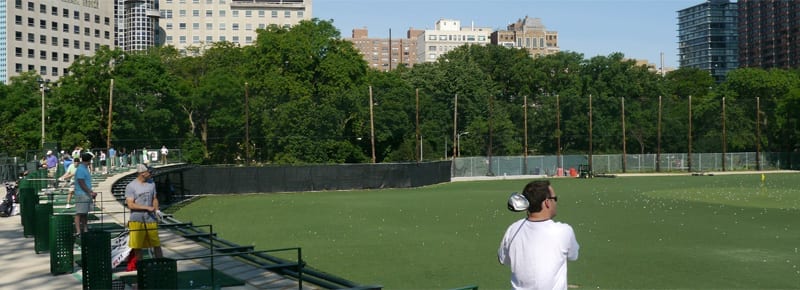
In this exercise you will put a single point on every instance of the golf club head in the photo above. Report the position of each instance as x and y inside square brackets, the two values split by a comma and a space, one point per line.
[517, 202]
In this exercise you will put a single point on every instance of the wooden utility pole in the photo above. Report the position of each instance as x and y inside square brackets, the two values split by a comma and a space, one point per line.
[724, 136]
[455, 124]
[419, 142]
[658, 146]
[590, 133]
[689, 157]
[558, 133]
[758, 133]
[246, 124]
[525, 126]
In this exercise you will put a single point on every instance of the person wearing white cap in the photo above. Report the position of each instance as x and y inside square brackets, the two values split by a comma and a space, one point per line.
[140, 196]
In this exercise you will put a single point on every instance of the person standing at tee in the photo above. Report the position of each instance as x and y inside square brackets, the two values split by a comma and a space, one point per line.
[140, 196]
[84, 195]
[536, 247]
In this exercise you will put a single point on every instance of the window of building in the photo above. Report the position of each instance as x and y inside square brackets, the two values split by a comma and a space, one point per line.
[235, 13]
[182, 39]
[262, 25]
[209, 13]
[195, 1]
[107, 20]
[222, 38]
[274, 14]
[195, 13]
[87, 17]
[31, 67]
[432, 37]
[31, 37]
[54, 41]
[30, 6]
[54, 26]
[196, 39]
[55, 71]
[168, 26]
[87, 31]
[30, 22]
[43, 24]
[169, 39]
[248, 27]
[209, 39]
[222, 26]
[76, 44]
[106, 34]
[43, 54]
[209, 1]
[182, 13]
[43, 70]
[76, 15]
[18, 51]
[54, 56]
[65, 13]
[97, 19]
[248, 39]
[76, 29]
[209, 26]
[42, 8]
[299, 14]
[65, 28]
[97, 33]
[235, 39]
[18, 35]
[222, 13]
[235, 26]
[481, 38]
[18, 20]
[432, 48]
[261, 13]
[30, 53]
[65, 42]
[18, 4]
[65, 57]
[43, 39]
[18, 67]
[195, 26]
[182, 26]
[287, 14]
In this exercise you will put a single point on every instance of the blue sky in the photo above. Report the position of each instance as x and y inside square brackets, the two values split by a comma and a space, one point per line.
[640, 29]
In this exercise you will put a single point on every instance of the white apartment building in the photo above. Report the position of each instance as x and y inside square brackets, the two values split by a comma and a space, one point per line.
[46, 36]
[199, 23]
[447, 35]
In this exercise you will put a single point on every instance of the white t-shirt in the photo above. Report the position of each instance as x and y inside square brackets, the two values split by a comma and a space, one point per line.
[537, 253]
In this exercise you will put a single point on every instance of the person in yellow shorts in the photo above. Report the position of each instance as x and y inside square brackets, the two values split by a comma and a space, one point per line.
[140, 196]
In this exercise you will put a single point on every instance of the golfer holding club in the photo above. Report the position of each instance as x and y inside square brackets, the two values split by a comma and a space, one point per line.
[140, 196]
[536, 247]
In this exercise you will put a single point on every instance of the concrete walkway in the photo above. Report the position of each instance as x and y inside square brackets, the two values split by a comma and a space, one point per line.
[22, 268]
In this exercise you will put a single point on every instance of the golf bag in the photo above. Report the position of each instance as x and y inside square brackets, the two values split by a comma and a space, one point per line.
[7, 205]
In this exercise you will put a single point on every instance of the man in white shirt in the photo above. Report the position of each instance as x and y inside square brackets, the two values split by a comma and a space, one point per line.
[536, 247]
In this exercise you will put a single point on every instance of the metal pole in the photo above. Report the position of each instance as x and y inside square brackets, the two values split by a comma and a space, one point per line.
[758, 133]
[525, 125]
[491, 111]
[455, 124]
[689, 157]
[624, 146]
[419, 142]
[724, 135]
[110, 108]
[246, 123]
[558, 133]
[590, 133]
[658, 150]
[41, 88]
[371, 124]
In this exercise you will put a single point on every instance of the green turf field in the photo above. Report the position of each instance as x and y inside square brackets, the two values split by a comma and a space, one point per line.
[697, 232]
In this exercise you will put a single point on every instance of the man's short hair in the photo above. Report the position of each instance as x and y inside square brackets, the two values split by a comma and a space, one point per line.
[86, 157]
[536, 192]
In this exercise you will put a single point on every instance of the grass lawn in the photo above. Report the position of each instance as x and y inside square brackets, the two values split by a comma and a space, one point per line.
[696, 232]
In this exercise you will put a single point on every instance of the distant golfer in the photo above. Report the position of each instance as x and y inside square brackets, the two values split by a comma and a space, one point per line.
[536, 247]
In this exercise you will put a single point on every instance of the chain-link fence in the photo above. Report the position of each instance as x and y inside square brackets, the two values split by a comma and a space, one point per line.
[634, 163]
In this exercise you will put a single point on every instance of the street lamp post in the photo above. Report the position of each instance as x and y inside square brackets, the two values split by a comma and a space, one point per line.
[42, 89]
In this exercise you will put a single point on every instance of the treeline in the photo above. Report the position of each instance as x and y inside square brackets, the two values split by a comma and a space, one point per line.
[301, 95]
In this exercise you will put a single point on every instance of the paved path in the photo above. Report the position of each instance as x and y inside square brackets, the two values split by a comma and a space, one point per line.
[22, 268]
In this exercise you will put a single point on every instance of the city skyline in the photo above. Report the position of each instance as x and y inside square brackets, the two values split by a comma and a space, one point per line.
[640, 29]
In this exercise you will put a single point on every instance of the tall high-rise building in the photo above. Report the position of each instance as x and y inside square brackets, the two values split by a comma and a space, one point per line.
[529, 34]
[386, 54]
[48, 35]
[448, 35]
[137, 24]
[708, 37]
[198, 23]
[769, 33]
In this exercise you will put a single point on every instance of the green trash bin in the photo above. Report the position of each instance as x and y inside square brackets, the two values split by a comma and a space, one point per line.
[96, 257]
[61, 241]
[157, 273]
[28, 201]
[41, 242]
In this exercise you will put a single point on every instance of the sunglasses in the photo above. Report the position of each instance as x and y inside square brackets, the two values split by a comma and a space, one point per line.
[554, 198]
